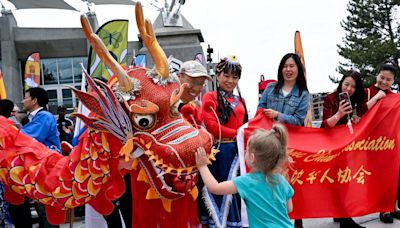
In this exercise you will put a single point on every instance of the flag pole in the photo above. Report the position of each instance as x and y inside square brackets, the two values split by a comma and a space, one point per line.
[298, 49]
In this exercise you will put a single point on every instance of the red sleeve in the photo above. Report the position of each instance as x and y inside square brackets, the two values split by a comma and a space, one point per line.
[328, 111]
[210, 120]
[371, 91]
[364, 108]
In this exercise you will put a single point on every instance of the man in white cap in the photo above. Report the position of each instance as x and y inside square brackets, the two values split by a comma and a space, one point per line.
[195, 75]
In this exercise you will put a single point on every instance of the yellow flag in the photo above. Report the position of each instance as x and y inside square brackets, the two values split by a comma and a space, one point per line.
[298, 49]
[32, 71]
[114, 35]
[3, 93]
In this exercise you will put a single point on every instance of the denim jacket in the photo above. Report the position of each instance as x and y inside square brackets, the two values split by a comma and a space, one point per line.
[292, 108]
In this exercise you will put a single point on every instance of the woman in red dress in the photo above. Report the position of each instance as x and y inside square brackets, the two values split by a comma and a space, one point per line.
[384, 80]
[339, 111]
[223, 113]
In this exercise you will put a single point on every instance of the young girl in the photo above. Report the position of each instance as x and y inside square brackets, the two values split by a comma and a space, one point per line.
[266, 192]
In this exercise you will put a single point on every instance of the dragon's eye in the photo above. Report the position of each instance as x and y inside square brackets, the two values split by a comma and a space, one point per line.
[143, 121]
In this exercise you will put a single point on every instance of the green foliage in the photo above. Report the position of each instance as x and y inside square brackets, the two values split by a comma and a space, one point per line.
[372, 36]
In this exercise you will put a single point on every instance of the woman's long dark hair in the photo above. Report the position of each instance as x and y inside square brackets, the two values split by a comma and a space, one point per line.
[300, 80]
[359, 94]
[228, 66]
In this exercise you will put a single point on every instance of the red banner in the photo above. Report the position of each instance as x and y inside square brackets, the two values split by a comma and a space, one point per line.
[338, 174]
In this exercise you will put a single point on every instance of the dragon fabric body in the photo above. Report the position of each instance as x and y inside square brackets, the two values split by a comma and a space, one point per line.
[134, 119]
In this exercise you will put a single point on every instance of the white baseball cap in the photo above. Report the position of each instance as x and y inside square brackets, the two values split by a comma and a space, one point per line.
[194, 69]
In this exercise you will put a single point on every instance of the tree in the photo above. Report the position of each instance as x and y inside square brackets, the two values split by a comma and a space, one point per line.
[372, 36]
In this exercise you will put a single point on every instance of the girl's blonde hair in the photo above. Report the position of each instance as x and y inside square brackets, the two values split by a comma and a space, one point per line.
[269, 149]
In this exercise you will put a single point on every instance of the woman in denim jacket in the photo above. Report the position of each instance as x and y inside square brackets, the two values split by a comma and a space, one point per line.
[287, 100]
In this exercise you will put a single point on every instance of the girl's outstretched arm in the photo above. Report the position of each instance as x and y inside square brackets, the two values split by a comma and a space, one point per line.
[223, 188]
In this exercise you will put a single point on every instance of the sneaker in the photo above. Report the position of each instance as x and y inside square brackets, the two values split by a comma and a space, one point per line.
[298, 223]
[385, 217]
[349, 223]
[336, 219]
[395, 214]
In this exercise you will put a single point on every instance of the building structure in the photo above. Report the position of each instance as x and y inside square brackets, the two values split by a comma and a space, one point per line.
[62, 50]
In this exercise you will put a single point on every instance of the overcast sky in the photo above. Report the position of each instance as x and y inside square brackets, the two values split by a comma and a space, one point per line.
[259, 33]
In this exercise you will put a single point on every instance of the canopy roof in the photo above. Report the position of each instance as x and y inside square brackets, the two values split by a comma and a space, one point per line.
[121, 2]
[61, 4]
[45, 4]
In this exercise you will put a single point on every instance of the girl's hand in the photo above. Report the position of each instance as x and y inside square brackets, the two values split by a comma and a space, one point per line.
[271, 113]
[344, 108]
[201, 157]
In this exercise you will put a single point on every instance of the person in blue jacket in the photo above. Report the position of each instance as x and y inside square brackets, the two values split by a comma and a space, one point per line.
[41, 126]
[287, 100]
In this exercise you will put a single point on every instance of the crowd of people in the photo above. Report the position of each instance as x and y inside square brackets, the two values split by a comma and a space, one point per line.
[265, 190]
[36, 121]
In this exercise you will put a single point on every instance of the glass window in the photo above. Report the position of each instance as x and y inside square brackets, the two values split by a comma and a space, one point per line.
[53, 101]
[76, 63]
[60, 72]
[49, 71]
[65, 70]
[67, 98]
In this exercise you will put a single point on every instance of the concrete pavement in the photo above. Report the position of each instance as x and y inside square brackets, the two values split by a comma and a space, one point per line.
[369, 221]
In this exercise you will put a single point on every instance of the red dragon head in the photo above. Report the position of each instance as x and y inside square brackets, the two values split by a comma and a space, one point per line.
[138, 106]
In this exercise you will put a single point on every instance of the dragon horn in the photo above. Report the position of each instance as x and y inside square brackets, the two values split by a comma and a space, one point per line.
[101, 50]
[150, 41]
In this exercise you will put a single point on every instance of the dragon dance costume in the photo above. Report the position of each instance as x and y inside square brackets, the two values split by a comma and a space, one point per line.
[129, 121]
[183, 212]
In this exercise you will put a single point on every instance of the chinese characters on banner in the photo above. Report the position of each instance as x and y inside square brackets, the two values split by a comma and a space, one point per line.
[338, 174]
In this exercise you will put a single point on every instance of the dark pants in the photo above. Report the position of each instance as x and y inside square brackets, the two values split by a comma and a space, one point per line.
[123, 204]
[43, 222]
[21, 214]
[22, 218]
